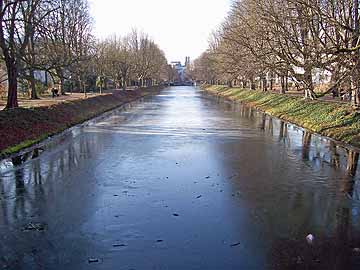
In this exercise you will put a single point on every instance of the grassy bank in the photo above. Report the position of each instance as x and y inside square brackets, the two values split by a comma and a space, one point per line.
[21, 128]
[335, 120]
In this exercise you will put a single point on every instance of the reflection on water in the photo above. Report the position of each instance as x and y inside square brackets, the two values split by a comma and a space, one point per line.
[274, 183]
[283, 133]
[352, 163]
[313, 147]
[334, 155]
[36, 176]
[31, 197]
[335, 213]
[306, 145]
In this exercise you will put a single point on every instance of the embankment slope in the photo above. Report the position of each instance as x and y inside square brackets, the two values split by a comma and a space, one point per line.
[21, 128]
[338, 121]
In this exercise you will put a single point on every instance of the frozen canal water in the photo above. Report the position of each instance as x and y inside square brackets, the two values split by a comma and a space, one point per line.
[181, 181]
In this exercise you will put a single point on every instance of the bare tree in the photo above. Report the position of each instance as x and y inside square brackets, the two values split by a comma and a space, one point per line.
[65, 35]
[16, 18]
[294, 39]
[149, 59]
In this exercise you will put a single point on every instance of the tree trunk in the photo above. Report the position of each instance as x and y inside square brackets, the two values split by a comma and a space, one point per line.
[33, 94]
[309, 86]
[60, 75]
[306, 53]
[32, 56]
[62, 86]
[244, 84]
[335, 76]
[252, 84]
[83, 86]
[283, 86]
[46, 79]
[271, 81]
[124, 84]
[355, 94]
[356, 79]
[12, 100]
[264, 84]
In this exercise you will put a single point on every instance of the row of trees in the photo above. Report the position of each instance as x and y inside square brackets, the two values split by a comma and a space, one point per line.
[49, 35]
[55, 36]
[295, 40]
[134, 58]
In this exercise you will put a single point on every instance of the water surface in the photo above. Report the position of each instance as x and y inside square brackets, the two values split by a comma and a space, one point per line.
[182, 181]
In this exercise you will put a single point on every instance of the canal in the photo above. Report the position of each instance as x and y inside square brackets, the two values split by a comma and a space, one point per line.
[182, 181]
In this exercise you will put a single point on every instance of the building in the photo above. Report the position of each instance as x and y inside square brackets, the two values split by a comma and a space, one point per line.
[181, 69]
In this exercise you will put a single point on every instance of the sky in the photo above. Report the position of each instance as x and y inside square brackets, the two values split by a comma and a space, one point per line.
[180, 27]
